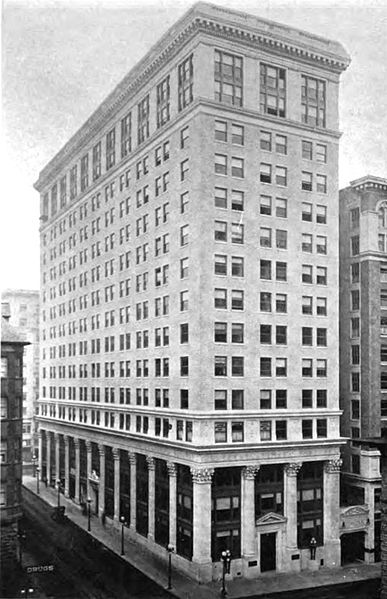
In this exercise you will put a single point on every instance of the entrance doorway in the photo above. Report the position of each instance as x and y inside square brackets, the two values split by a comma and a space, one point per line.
[352, 547]
[268, 551]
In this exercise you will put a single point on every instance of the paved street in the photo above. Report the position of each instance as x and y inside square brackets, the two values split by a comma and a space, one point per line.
[83, 568]
[366, 589]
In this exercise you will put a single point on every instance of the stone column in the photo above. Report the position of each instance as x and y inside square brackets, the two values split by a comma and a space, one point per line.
[369, 541]
[133, 492]
[202, 478]
[151, 498]
[101, 494]
[116, 457]
[40, 452]
[88, 468]
[67, 466]
[48, 457]
[57, 456]
[290, 513]
[172, 471]
[249, 541]
[332, 512]
[77, 469]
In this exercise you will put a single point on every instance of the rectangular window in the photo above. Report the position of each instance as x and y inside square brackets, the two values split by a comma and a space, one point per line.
[220, 264]
[237, 200]
[306, 214]
[307, 150]
[237, 266]
[307, 398]
[281, 176]
[265, 301]
[265, 141]
[321, 214]
[265, 205]
[321, 183]
[265, 237]
[110, 149]
[237, 135]
[281, 430]
[163, 94]
[228, 78]
[321, 153]
[272, 90]
[220, 399]
[220, 298]
[281, 144]
[143, 120]
[220, 332]
[265, 430]
[97, 149]
[220, 366]
[281, 303]
[306, 181]
[220, 197]
[85, 172]
[313, 101]
[220, 231]
[185, 82]
[322, 427]
[265, 269]
[265, 366]
[281, 207]
[237, 432]
[307, 429]
[265, 173]
[220, 131]
[237, 299]
[237, 399]
[220, 431]
[220, 164]
[126, 135]
[237, 366]
[237, 167]
[265, 399]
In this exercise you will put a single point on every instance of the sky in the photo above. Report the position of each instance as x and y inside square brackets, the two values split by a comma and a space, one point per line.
[61, 58]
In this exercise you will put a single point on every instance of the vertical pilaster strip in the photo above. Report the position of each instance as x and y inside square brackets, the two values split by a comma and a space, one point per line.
[116, 457]
[151, 497]
[172, 472]
[101, 495]
[88, 467]
[290, 512]
[77, 469]
[201, 478]
[67, 465]
[40, 451]
[133, 491]
[48, 457]
[249, 542]
[332, 512]
[57, 455]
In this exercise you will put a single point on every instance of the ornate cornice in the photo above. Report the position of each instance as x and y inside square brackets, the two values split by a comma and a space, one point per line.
[202, 475]
[333, 466]
[369, 182]
[224, 24]
[293, 468]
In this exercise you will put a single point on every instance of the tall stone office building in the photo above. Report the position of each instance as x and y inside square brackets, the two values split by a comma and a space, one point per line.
[363, 351]
[190, 298]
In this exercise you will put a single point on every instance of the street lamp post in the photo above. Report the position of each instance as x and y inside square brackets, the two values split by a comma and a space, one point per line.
[88, 514]
[226, 560]
[122, 519]
[170, 550]
[37, 480]
[34, 465]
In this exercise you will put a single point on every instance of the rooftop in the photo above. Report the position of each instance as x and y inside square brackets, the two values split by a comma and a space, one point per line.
[369, 182]
[10, 334]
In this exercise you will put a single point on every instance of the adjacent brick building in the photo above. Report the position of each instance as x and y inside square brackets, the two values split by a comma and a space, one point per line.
[12, 346]
[24, 315]
[363, 353]
[189, 317]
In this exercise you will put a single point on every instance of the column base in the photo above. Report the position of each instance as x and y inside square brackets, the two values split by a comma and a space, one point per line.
[202, 571]
[250, 566]
[332, 553]
[292, 559]
[151, 537]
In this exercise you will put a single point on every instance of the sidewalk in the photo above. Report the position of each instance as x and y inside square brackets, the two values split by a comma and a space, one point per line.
[184, 587]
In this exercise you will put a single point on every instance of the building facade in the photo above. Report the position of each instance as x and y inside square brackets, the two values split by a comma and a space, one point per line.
[363, 348]
[12, 346]
[24, 315]
[189, 259]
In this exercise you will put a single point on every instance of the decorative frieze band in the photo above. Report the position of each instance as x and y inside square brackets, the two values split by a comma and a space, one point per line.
[202, 475]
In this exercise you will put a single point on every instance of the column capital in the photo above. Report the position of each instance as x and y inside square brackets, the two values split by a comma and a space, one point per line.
[88, 446]
[101, 449]
[151, 462]
[172, 469]
[132, 458]
[202, 475]
[40, 433]
[66, 439]
[249, 472]
[77, 443]
[332, 466]
[293, 468]
[56, 436]
[116, 454]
